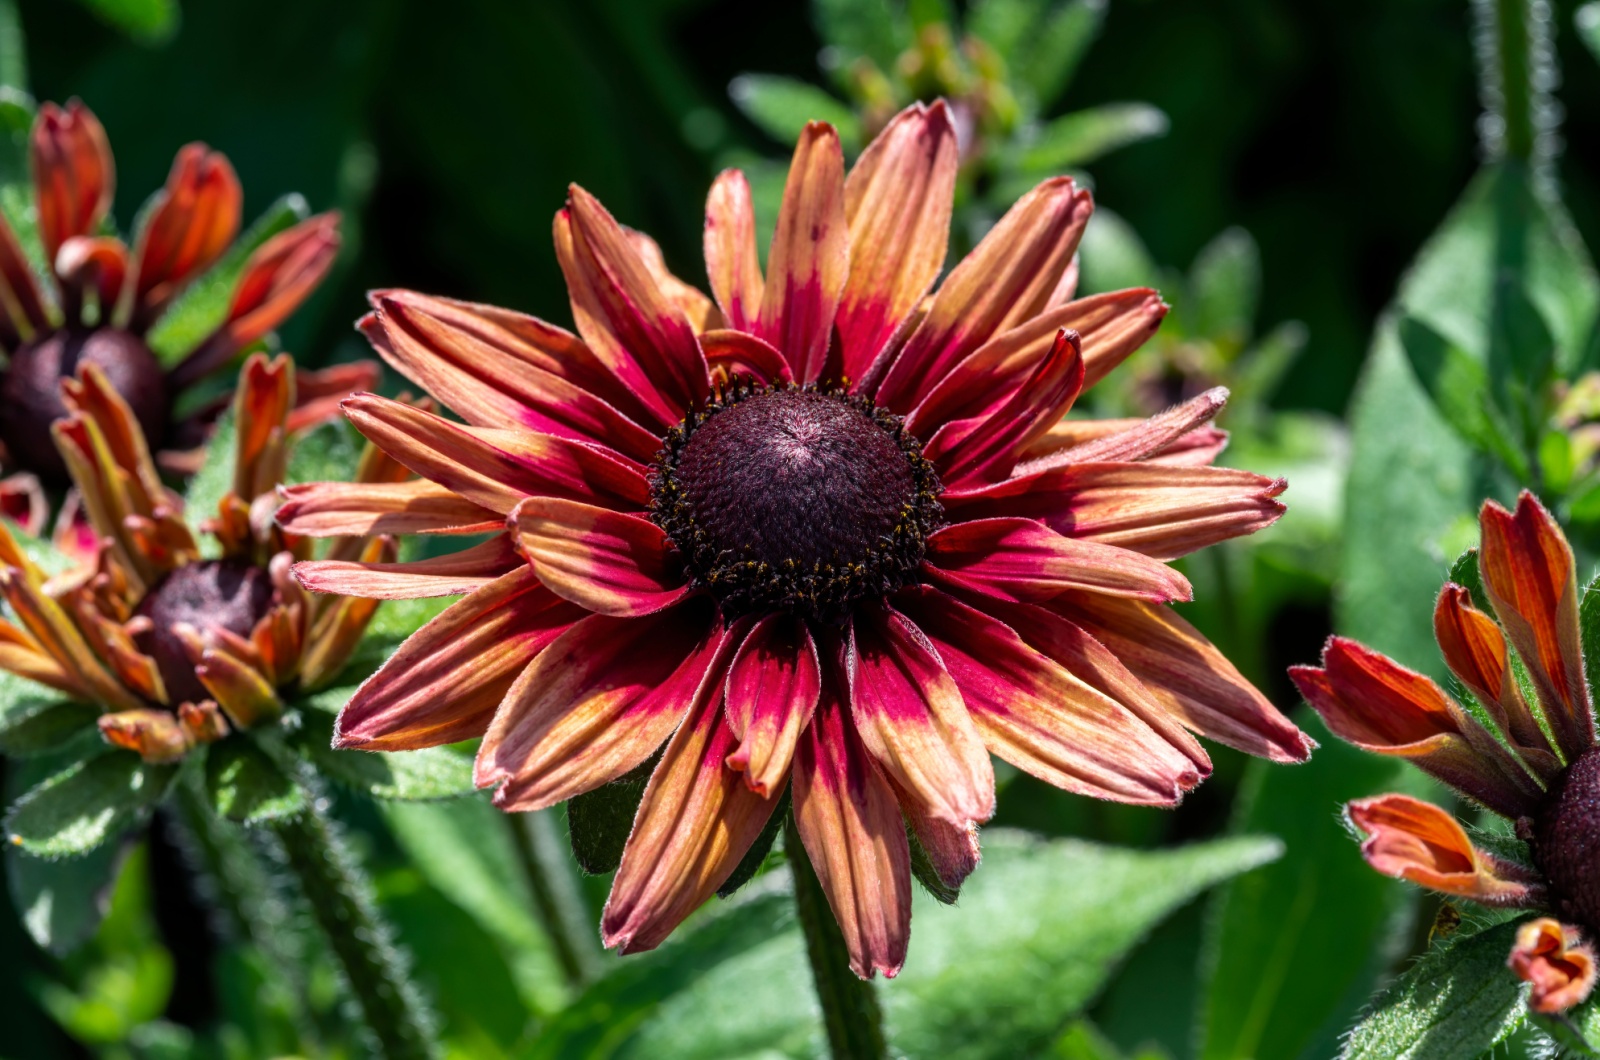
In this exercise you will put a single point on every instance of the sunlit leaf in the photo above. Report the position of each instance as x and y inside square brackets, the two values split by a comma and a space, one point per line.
[1081, 137]
[246, 785]
[781, 107]
[86, 804]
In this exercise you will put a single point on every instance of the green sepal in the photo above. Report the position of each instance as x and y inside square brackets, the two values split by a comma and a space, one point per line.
[600, 821]
[1465, 573]
[1589, 625]
[85, 804]
[923, 872]
[246, 784]
[755, 858]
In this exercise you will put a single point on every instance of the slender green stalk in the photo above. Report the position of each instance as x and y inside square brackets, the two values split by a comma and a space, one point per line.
[235, 884]
[340, 900]
[13, 50]
[555, 895]
[1517, 72]
[849, 1005]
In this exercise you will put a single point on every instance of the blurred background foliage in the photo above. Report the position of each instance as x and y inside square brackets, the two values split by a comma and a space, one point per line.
[1272, 166]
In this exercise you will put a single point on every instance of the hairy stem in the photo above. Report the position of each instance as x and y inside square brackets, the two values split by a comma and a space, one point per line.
[556, 899]
[1517, 73]
[849, 1005]
[340, 899]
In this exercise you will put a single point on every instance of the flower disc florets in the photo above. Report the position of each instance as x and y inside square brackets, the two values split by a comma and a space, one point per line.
[210, 595]
[30, 390]
[793, 498]
[1566, 842]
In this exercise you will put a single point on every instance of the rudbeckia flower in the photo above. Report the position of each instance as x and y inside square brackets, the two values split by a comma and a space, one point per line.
[103, 297]
[1527, 753]
[822, 534]
[177, 648]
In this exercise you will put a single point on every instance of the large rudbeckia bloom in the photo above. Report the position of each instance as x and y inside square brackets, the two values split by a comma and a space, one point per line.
[103, 298]
[1527, 753]
[824, 532]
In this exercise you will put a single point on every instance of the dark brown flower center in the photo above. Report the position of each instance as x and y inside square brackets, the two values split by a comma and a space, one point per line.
[215, 594]
[30, 391]
[795, 499]
[1567, 843]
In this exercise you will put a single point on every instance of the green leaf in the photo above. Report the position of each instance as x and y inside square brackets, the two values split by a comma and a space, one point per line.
[61, 903]
[781, 107]
[149, 21]
[1458, 1000]
[1224, 287]
[876, 29]
[246, 785]
[1057, 47]
[1081, 137]
[203, 306]
[214, 479]
[1040, 926]
[327, 454]
[1589, 621]
[1459, 386]
[431, 773]
[1114, 257]
[464, 849]
[35, 719]
[600, 820]
[89, 802]
[1587, 19]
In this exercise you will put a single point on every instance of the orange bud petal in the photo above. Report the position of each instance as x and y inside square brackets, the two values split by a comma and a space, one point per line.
[1549, 955]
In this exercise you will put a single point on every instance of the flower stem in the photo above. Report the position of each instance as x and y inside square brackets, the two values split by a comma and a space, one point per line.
[341, 901]
[1517, 71]
[555, 896]
[849, 1005]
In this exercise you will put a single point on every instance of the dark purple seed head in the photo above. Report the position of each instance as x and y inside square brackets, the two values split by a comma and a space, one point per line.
[215, 594]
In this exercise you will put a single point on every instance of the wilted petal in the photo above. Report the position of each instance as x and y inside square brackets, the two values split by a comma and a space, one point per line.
[910, 715]
[1109, 326]
[898, 199]
[773, 685]
[1476, 652]
[1414, 840]
[1375, 703]
[849, 823]
[277, 278]
[450, 575]
[1024, 560]
[74, 176]
[695, 823]
[1042, 717]
[1531, 578]
[1551, 956]
[809, 260]
[1187, 675]
[596, 703]
[154, 734]
[355, 509]
[444, 683]
[1008, 279]
[191, 222]
[732, 260]
[621, 312]
[610, 563]
[1163, 512]
[1156, 437]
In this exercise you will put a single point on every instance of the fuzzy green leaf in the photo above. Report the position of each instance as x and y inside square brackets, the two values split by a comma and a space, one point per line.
[213, 481]
[781, 107]
[84, 805]
[61, 902]
[35, 719]
[1589, 623]
[150, 21]
[1081, 137]
[600, 820]
[876, 29]
[1458, 1000]
[246, 785]
[1464, 572]
[1224, 287]
[431, 773]
[1459, 386]
[203, 306]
